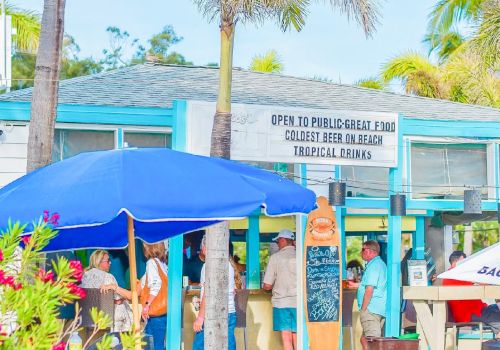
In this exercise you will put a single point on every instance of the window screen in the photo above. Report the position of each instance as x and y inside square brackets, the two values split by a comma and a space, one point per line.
[366, 181]
[444, 171]
[68, 143]
[143, 139]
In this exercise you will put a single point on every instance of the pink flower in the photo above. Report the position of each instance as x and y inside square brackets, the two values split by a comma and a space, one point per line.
[76, 291]
[45, 276]
[77, 268]
[25, 239]
[45, 216]
[54, 219]
[59, 346]
[1, 255]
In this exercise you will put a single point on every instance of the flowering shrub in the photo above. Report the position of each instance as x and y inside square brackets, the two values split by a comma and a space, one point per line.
[30, 296]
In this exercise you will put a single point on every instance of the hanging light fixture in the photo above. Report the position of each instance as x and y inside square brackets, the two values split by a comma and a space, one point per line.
[336, 193]
[472, 201]
[398, 204]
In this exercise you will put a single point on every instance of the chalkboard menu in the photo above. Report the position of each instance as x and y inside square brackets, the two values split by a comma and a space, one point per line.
[322, 283]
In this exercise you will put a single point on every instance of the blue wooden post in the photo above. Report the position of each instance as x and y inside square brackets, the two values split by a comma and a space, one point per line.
[302, 223]
[253, 248]
[175, 307]
[393, 311]
[340, 217]
[418, 251]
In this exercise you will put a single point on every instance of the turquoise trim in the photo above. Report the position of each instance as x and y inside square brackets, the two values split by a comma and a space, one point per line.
[496, 171]
[300, 255]
[253, 248]
[418, 251]
[450, 128]
[445, 204]
[421, 204]
[175, 307]
[392, 327]
[119, 138]
[88, 114]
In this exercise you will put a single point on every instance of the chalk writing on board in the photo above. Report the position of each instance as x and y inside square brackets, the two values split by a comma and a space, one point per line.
[322, 283]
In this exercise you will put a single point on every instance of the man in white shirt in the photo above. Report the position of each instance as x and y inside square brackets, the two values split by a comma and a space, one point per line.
[199, 341]
[281, 278]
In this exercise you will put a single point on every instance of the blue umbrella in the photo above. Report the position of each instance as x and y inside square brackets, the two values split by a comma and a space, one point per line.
[106, 199]
[166, 193]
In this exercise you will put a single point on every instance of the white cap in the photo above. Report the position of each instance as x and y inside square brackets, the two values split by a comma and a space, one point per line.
[285, 234]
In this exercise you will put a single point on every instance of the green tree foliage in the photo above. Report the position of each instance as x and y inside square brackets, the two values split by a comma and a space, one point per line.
[444, 43]
[484, 234]
[371, 83]
[270, 62]
[115, 56]
[27, 25]
[461, 78]
[120, 43]
[159, 46]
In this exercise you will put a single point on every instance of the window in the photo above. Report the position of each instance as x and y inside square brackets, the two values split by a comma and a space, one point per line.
[444, 171]
[366, 181]
[143, 139]
[68, 143]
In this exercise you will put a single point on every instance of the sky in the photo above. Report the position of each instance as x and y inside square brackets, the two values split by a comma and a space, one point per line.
[329, 46]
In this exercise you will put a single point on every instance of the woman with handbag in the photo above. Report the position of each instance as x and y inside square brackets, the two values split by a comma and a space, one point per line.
[152, 290]
[154, 286]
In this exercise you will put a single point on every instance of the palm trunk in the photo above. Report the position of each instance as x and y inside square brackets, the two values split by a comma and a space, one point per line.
[45, 90]
[216, 269]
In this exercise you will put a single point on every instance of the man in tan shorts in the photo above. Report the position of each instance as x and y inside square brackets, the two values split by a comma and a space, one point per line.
[372, 292]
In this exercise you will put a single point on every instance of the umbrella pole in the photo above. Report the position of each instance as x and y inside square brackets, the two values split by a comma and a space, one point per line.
[133, 276]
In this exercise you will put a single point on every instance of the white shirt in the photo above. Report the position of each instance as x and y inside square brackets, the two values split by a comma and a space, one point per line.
[230, 289]
[154, 279]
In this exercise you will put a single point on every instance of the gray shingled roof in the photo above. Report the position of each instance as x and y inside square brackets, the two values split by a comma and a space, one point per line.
[156, 85]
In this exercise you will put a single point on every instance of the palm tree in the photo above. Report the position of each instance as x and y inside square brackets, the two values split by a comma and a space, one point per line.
[270, 62]
[371, 83]
[486, 40]
[461, 78]
[45, 89]
[27, 24]
[448, 13]
[444, 42]
[287, 13]
[418, 75]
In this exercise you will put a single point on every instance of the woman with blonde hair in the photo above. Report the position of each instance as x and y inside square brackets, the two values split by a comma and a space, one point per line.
[98, 276]
[150, 285]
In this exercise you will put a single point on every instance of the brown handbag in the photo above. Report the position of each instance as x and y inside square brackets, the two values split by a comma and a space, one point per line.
[159, 305]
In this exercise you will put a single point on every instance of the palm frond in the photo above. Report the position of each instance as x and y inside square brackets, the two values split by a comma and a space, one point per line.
[365, 12]
[27, 24]
[417, 74]
[371, 83]
[446, 13]
[270, 62]
[294, 14]
[444, 43]
[486, 40]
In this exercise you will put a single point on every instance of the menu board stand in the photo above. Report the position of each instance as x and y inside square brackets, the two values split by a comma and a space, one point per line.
[323, 278]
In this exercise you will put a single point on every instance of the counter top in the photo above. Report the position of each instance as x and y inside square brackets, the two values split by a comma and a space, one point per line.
[251, 292]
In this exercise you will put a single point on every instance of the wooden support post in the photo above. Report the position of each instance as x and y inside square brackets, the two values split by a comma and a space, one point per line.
[133, 276]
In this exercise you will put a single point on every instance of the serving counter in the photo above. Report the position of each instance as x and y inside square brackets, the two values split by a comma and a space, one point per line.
[258, 332]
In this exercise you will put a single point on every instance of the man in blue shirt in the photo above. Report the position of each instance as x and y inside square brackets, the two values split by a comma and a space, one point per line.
[372, 292]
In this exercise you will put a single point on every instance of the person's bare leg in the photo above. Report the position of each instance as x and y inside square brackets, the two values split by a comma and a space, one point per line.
[286, 337]
[294, 340]
[364, 342]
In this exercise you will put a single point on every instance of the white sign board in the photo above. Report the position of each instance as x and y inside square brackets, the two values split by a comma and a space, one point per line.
[296, 135]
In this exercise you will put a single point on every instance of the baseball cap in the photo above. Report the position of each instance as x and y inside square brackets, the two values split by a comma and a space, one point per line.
[285, 234]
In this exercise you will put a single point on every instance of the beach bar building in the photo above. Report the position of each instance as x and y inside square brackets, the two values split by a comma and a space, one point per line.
[422, 153]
